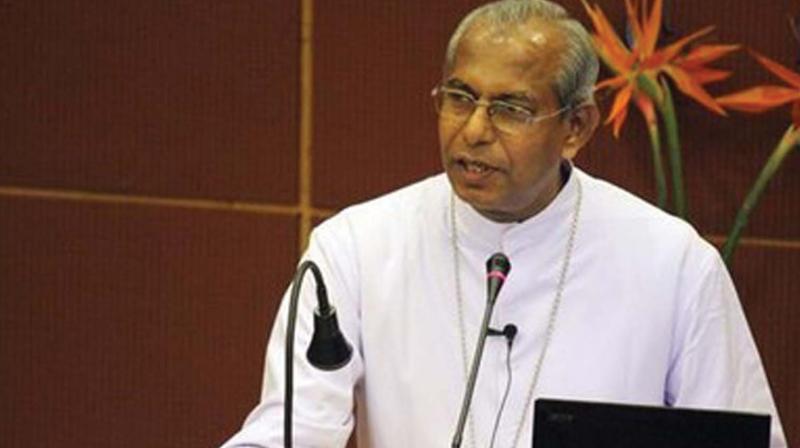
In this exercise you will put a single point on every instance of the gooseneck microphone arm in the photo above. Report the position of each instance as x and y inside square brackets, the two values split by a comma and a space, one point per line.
[473, 376]
[328, 350]
[497, 268]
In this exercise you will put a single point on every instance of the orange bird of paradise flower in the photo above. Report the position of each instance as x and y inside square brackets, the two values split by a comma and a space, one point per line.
[637, 68]
[762, 98]
[759, 99]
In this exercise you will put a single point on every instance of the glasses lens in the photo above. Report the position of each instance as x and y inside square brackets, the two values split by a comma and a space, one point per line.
[454, 103]
[510, 118]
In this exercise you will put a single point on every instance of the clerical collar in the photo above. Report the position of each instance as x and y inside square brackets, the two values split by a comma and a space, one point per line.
[479, 231]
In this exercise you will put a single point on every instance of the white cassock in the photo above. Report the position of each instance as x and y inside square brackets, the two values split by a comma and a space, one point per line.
[648, 315]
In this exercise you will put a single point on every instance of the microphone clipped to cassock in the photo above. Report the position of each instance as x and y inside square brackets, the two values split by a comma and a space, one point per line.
[497, 269]
[509, 332]
[328, 350]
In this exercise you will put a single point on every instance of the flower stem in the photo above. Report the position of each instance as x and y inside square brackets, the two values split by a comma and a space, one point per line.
[655, 95]
[790, 140]
[667, 109]
[658, 166]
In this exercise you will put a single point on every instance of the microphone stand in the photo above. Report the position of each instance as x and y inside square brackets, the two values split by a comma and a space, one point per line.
[498, 266]
[328, 350]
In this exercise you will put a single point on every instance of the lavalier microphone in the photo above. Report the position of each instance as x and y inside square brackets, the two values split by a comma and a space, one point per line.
[509, 332]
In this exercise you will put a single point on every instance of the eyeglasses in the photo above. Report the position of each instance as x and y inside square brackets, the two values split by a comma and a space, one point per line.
[506, 117]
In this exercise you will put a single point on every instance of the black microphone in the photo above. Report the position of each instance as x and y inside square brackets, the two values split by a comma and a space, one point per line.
[509, 332]
[328, 350]
[497, 268]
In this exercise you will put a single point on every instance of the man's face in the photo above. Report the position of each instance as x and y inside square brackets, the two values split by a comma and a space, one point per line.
[506, 176]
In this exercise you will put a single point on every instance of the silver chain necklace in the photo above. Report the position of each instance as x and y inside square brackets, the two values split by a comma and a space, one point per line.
[551, 321]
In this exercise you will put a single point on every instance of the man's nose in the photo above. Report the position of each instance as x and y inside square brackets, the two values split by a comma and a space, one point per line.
[478, 129]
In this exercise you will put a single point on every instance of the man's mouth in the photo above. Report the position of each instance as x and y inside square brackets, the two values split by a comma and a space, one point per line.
[474, 166]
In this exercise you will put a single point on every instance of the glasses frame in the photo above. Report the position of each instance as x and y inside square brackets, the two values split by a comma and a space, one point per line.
[477, 102]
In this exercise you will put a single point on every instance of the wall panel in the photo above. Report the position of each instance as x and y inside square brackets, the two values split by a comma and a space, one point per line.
[374, 71]
[769, 287]
[188, 99]
[134, 325]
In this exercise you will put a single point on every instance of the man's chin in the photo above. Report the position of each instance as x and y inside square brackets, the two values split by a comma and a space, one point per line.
[482, 201]
[489, 205]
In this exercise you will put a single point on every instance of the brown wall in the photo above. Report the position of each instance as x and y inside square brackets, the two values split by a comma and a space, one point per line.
[152, 204]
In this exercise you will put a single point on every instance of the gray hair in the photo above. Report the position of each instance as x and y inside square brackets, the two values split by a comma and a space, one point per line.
[574, 84]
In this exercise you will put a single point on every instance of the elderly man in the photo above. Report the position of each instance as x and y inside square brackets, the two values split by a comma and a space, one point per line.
[613, 299]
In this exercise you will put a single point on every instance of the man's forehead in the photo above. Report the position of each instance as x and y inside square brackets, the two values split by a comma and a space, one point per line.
[535, 42]
[535, 34]
[527, 55]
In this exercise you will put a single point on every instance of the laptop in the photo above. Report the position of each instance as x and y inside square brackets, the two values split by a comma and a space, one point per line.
[582, 424]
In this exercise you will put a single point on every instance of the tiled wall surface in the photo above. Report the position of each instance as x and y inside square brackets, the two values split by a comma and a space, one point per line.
[148, 215]
[156, 184]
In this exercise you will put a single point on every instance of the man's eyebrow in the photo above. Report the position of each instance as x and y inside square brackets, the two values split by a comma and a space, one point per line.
[516, 97]
[461, 85]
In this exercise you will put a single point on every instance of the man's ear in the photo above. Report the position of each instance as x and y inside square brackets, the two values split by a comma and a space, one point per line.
[581, 124]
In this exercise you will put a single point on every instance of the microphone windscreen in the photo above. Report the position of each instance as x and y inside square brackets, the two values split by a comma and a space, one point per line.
[498, 263]
[497, 268]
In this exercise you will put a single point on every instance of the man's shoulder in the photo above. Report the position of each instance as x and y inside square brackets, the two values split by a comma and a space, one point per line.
[416, 195]
[608, 201]
[635, 229]
[617, 210]
[416, 201]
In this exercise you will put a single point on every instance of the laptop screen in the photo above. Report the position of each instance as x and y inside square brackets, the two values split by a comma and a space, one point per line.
[581, 424]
